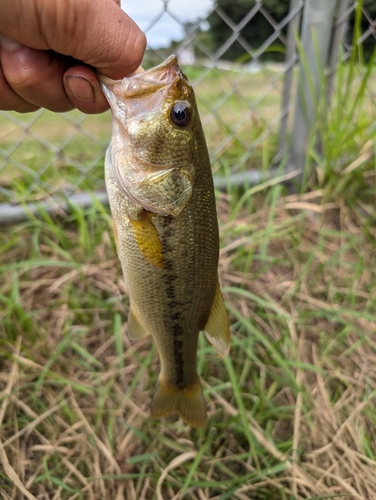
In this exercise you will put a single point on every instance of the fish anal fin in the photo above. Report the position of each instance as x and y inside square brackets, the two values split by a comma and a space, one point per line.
[217, 328]
[135, 328]
[188, 403]
[148, 240]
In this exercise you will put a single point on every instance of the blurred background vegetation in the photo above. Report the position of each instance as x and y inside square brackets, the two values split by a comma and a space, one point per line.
[217, 31]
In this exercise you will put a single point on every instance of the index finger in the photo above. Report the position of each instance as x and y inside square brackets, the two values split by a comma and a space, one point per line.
[96, 32]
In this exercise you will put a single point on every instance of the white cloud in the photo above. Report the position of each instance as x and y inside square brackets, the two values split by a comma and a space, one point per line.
[160, 26]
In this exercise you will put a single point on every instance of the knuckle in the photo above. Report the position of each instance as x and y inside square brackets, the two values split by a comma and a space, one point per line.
[24, 77]
[17, 72]
[10, 100]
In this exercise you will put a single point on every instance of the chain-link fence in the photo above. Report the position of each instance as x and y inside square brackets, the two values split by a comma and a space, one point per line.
[245, 87]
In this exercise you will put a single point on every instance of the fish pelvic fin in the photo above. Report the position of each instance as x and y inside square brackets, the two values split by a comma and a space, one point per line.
[217, 329]
[135, 328]
[188, 403]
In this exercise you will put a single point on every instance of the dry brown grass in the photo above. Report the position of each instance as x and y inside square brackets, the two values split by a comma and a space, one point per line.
[291, 412]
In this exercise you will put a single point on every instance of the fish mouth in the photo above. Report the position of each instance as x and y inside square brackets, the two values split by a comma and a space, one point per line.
[163, 74]
[143, 93]
[145, 82]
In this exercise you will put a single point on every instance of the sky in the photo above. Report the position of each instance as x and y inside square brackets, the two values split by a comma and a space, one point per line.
[144, 12]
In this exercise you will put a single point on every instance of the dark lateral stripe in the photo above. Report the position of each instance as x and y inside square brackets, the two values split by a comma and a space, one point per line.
[173, 321]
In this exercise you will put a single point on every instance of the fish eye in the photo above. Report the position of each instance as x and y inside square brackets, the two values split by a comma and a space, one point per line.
[180, 114]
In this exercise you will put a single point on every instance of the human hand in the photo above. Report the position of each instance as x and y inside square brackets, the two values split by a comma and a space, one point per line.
[50, 50]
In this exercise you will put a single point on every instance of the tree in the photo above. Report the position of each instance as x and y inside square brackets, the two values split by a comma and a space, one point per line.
[258, 29]
[255, 32]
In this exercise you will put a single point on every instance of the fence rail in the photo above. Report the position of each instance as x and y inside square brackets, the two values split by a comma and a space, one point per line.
[253, 116]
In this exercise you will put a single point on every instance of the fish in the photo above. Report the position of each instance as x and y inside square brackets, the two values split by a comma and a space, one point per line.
[160, 187]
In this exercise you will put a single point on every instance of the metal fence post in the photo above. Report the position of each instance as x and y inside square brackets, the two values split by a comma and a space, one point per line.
[338, 33]
[316, 35]
[290, 61]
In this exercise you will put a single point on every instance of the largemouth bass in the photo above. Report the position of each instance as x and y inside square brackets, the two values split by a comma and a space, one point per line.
[161, 194]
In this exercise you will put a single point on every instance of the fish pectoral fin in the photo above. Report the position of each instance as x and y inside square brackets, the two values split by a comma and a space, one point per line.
[135, 328]
[188, 403]
[217, 329]
[166, 192]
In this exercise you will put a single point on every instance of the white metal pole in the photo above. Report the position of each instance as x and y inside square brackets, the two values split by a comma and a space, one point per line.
[316, 35]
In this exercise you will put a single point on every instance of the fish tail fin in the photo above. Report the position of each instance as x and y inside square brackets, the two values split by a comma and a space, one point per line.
[188, 403]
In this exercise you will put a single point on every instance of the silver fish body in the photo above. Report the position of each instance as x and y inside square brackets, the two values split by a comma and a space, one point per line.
[161, 193]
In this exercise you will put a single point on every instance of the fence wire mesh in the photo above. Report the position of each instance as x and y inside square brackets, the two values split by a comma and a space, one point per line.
[245, 93]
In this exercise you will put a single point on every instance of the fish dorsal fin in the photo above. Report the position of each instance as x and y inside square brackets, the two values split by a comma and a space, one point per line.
[217, 329]
[135, 328]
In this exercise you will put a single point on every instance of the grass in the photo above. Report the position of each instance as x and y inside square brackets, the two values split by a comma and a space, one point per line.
[291, 409]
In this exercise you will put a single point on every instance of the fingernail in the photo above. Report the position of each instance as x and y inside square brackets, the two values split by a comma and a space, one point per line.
[9, 44]
[81, 88]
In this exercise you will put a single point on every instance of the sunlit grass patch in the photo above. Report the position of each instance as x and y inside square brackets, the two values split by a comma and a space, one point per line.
[295, 395]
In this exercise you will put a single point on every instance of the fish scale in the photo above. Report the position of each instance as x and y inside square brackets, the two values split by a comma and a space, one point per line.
[167, 242]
